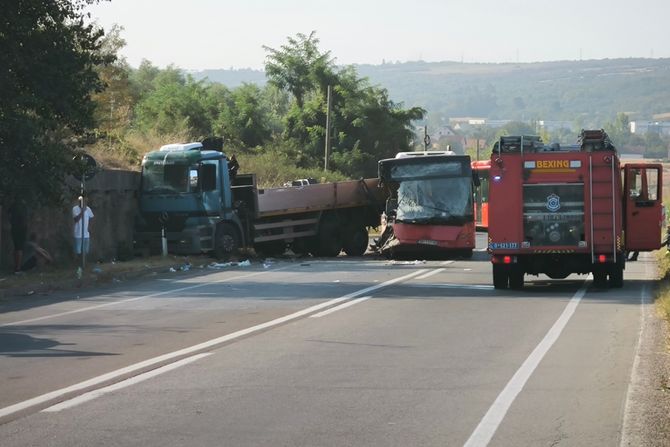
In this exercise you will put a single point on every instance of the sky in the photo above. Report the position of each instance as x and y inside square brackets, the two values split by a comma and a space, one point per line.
[210, 34]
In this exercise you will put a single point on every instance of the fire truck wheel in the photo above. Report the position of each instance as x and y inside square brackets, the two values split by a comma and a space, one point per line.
[616, 276]
[600, 279]
[227, 241]
[356, 241]
[330, 239]
[516, 277]
[500, 276]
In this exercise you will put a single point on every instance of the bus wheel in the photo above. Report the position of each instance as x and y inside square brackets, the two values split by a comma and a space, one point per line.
[500, 276]
[330, 238]
[227, 241]
[356, 241]
[516, 277]
[466, 254]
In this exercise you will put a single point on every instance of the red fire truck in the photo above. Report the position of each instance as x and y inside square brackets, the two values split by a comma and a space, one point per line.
[559, 210]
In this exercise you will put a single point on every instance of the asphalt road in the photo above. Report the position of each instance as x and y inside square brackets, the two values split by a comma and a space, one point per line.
[324, 353]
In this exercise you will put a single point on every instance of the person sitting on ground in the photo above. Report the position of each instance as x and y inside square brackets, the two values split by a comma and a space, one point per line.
[34, 255]
[19, 221]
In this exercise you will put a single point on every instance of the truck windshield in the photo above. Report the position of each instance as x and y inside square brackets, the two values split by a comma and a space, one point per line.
[165, 178]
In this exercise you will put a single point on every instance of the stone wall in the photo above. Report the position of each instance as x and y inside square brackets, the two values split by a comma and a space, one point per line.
[113, 199]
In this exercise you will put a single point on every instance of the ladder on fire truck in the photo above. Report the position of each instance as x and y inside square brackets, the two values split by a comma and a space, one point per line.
[602, 184]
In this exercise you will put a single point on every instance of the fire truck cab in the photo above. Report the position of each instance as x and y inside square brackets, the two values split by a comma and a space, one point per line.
[558, 210]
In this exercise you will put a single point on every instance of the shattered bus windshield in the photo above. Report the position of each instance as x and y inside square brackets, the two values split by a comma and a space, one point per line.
[158, 178]
[436, 193]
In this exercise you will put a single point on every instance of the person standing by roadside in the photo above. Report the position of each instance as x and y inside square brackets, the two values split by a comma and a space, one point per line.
[81, 214]
[18, 218]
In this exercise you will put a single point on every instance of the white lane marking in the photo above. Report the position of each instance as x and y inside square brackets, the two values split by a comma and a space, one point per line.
[494, 416]
[86, 397]
[453, 286]
[446, 262]
[45, 398]
[635, 382]
[128, 300]
[431, 273]
[340, 307]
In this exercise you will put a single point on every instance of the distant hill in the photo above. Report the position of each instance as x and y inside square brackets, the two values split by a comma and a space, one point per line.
[587, 92]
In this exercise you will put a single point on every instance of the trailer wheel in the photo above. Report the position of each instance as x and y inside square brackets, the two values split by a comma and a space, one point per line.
[330, 238]
[516, 277]
[356, 241]
[227, 241]
[500, 276]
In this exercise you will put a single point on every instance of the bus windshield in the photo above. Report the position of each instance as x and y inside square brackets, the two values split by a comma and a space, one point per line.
[435, 200]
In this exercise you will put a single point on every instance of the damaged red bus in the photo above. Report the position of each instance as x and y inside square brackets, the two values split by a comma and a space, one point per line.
[429, 210]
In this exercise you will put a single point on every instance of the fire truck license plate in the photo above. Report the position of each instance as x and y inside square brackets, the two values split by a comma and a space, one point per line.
[426, 242]
[508, 245]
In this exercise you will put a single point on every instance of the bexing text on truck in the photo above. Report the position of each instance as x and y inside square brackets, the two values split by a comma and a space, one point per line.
[188, 193]
[559, 210]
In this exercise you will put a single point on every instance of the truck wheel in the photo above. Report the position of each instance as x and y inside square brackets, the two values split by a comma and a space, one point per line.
[330, 239]
[227, 241]
[304, 246]
[356, 241]
[271, 248]
[500, 276]
[616, 276]
[516, 277]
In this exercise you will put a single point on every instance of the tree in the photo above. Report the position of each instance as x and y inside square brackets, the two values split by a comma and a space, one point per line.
[49, 58]
[177, 104]
[245, 120]
[619, 130]
[366, 124]
[297, 65]
[114, 104]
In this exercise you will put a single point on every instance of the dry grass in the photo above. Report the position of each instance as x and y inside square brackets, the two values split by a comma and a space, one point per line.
[46, 279]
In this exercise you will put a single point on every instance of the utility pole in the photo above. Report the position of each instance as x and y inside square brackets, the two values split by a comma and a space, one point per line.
[426, 138]
[111, 119]
[327, 145]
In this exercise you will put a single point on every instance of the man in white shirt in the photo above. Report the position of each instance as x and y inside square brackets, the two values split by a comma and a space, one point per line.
[81, 213]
